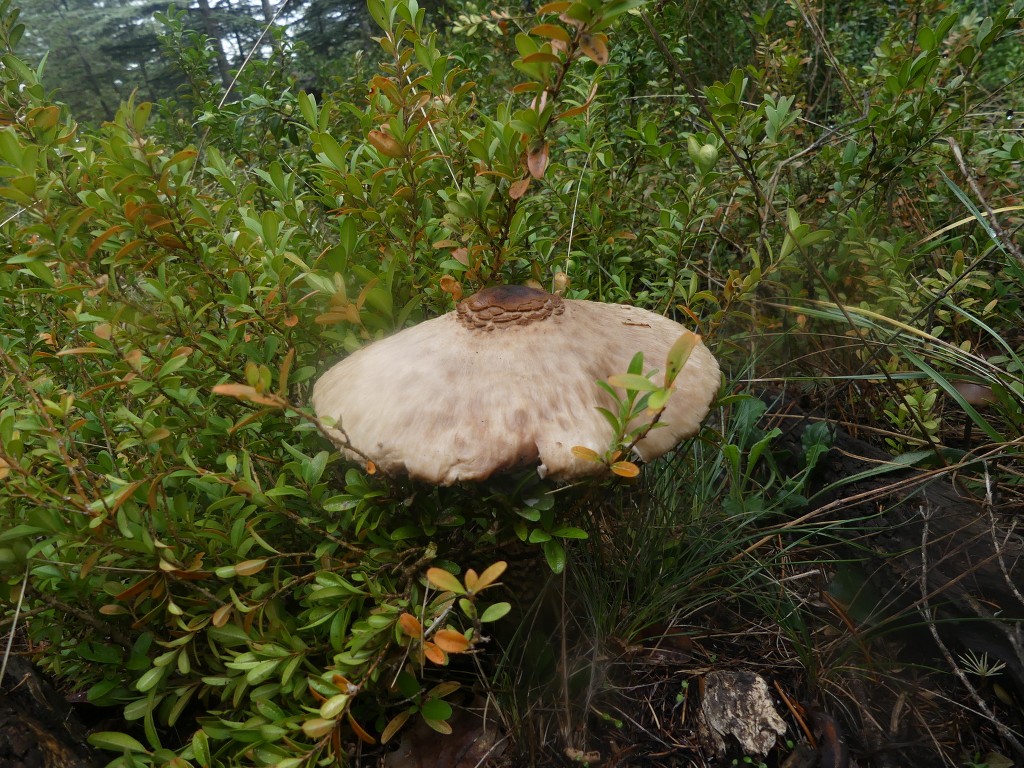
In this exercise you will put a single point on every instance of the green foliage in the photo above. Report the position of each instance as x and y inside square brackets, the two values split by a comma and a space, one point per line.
[174, 280]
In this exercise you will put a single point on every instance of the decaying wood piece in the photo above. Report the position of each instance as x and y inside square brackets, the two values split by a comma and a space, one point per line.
[37, 727]
[738, 706]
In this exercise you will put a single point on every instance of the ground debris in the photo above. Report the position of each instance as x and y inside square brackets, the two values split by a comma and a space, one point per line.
[473, 743]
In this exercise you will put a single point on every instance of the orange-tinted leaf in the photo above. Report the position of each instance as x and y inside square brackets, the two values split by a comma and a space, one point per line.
[625, 469]
[245, 392]
[452, 286]
[556, 7]
[595, 47]
[343, 683]
[435, 654]
[285, 370]
[490, 575]
[552, 31]
[250, 567]
[530, 86]
[359, 731]
[461, 255]
[441, 579]
[371, 468]
[518, 188]
[450, 641]
[410, 625]
[537, 160]
[95, 245]
[587, 454]
[220, 616]
[385, 144]
[82, 351]
[573, 111]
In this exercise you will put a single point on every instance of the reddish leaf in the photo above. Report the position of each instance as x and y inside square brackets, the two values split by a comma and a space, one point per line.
[537, 160]
[452, 286]
[385, 144]
[518, 188]
[528, 87]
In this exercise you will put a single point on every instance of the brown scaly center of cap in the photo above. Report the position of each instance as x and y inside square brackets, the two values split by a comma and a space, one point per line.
[507, 305]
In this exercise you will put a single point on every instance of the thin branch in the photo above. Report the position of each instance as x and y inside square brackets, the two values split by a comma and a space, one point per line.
[926, 613]
[1006, 241]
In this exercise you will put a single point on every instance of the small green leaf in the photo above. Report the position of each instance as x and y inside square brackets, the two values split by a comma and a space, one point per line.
[554, 553]
[633, 382]
[150, 679]
[334, 706]
[436, 709]
[568, 532]
[201, 748]
[116, 742]
[678, 355]
[658, 399]
[317, 727]
[495, 612]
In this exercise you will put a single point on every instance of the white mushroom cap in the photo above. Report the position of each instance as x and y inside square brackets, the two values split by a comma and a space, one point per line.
[507, 380]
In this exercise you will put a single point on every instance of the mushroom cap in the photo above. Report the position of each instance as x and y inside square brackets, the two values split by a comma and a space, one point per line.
[507, 380]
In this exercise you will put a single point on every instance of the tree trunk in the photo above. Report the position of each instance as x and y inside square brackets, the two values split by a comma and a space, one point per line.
[213, 33]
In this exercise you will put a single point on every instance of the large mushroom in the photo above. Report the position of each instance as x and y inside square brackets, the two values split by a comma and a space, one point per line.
[507, 380]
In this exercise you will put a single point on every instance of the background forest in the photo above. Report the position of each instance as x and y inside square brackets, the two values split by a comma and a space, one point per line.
[203, 207]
